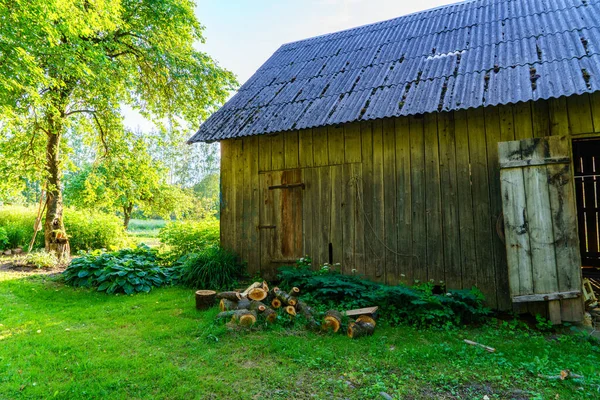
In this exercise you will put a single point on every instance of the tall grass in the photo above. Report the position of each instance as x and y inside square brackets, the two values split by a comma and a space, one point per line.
[87, 230]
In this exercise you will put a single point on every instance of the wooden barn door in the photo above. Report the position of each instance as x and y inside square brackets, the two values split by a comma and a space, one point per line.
[280, 220]
[542, 246]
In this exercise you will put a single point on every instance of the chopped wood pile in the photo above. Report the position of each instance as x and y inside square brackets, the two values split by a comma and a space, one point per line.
[259, 303]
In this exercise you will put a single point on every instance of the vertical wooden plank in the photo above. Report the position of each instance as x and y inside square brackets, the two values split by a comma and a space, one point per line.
[246, 209]
[335, 143]
[264, 153]
[486, 274]
[324, 213]
[465, 202]
[238, 196]
[417, 178]
[266, 219]
[377, 203]
[449, 196]
[493, 136]
[435, 245]
[595, 104]
[366, 199]
[359, 218]
[278, 218]
[523, 121]
[518, 250]
[320, 146]
[559, 118]
[277, 152]
[348, 215]
[389, 200]
[539, 219]
[554, 312]
[507, 123]
[307, 214]
[540, 118]
[290, 145]
[227, 199]
[337, 210]
[404, 201]
[316, 214]
[580, 114]
[305, 138]
[251, 205]
[352, 148]
[564, 221]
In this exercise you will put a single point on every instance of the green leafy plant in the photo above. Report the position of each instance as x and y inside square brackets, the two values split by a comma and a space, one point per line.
[212, 268]
[126, 271]
[189, 237]
[415, 305]
[3, 239]
[40, 259]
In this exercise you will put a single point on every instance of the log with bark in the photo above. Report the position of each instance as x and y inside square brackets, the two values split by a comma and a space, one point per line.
[243, 303]
[226, 305]
[269, 315]
[359, 329]
[257, 306]
[276, 303]
[366, 318]
[233, 296]
[308, 314]
[290, 310]
[285, 298]
[257, 294]
[332, 321]
[244, 317]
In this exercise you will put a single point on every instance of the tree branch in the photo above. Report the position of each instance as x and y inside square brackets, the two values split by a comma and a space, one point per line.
[97, 120]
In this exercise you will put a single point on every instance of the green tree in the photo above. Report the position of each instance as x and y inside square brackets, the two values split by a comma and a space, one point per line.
[68, 66]
[130, 178]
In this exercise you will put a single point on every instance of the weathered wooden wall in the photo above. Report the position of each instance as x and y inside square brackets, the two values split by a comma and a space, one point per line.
[398, 199]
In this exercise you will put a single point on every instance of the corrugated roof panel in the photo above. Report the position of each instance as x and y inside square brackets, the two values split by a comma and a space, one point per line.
[509, 51]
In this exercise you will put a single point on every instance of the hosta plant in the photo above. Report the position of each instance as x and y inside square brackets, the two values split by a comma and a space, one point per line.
[126, 271]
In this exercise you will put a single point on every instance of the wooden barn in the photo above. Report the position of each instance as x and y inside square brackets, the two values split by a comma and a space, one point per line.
[457, 144]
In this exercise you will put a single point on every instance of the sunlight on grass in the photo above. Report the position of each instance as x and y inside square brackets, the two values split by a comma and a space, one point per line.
[73, 343]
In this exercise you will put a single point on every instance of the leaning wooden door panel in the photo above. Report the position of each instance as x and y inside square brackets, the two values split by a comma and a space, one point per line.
[542, 246]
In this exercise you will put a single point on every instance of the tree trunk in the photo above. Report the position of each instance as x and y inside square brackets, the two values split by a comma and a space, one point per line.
[55, 236]
[127, 210]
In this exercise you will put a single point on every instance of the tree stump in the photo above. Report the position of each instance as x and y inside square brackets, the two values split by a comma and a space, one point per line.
[205, 299]
[359, 329]
[332, 321]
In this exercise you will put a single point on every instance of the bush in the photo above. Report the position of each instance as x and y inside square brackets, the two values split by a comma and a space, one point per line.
[87, 230]
[415, 305]
[3, 239]
[126, 271]
[211, 268]
[190, 236]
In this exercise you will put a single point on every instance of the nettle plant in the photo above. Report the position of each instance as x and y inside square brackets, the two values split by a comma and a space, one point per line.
[125, 271]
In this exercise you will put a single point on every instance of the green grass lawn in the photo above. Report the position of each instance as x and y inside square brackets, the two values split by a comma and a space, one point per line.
[57, 342]
[146, 231]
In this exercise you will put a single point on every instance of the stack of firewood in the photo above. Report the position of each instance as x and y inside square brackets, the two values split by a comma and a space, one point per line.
[258, 302]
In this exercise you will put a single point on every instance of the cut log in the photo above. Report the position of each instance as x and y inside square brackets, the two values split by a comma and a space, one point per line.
[332, 321]
[276, 303]
[366, 318]
[257, 294]
[483, 346]
[308, 314]
[285, 298]
[244, 317]
[359, 329]
[290, 310]
[226, 314]
[233, 296]
[257, 306]
[254, 285]
[294, 292]
[269, 315]
[244, 303]
[226, 305]
[265, 287]
[205, 299]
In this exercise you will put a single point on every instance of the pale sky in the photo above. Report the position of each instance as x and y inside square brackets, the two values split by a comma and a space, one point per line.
[242, 34]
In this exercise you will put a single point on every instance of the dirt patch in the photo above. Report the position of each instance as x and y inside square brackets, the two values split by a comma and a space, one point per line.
[8, 266]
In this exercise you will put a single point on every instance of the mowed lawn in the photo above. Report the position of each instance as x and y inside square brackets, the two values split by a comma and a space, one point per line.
[57, 342]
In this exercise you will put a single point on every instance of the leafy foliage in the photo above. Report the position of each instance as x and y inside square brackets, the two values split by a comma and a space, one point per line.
[190, 236]
[416, 305]
[126, 271]
[40, 259]
[212, 268]
[87, 230]
[3, 238]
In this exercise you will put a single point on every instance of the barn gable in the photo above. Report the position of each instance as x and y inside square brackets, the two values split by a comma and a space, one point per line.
[461, 56]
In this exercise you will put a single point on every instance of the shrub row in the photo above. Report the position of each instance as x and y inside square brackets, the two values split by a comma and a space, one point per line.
[416, 305]
[188, 237]
[87, 230]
